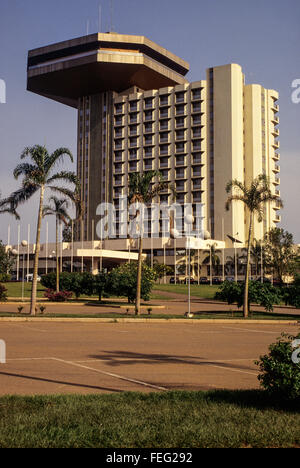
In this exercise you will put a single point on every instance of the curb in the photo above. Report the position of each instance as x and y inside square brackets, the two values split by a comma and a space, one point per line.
[144, 320]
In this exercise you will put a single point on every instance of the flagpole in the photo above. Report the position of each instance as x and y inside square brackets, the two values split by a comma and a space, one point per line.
[18, 259]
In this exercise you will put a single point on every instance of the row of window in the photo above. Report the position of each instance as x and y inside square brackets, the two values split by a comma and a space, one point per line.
[164, 100]
[165, 113]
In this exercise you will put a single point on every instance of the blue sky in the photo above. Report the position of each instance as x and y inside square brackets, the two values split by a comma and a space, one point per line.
[263, 36]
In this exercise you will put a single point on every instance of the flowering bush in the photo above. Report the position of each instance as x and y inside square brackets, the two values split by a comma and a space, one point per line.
[60, 296]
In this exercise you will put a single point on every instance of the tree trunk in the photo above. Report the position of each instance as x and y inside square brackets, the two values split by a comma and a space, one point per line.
[36, 255]
[139, 279]
[57, 258]
[246, 290]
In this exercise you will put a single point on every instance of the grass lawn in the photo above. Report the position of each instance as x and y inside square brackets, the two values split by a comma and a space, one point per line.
[204, 291]
[175, 419]
[14, 289]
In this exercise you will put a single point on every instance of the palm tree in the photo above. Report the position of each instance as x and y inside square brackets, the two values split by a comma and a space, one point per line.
[141, 191]
[7, 206]
[59, 210]
[212, 257]
[37, 177]
[254, 198]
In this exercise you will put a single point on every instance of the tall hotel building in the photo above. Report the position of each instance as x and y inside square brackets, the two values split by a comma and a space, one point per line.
[137, 112]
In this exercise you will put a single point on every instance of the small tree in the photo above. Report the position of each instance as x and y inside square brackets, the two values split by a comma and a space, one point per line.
[100, 284]
[281, 256]
[122, 281]
[279, 370]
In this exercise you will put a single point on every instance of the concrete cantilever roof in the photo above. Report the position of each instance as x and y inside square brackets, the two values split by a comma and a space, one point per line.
[100, 62]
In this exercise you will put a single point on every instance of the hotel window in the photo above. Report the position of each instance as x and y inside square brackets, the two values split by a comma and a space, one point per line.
[148, 127]
[179, 147]
[148, 115]
[148, 152]
[133, 141]
[163, 113]
[148, 139]
[133, 154]
[164, 100]
[180, 134]
[180, 97]
[164, 137]
[196, 94]
[133, 166]
[148, 103]
[119, 108]
[133, 106]
[179, 122]
[133, 118]
[164, 149]
[118, 120]
[180, 109]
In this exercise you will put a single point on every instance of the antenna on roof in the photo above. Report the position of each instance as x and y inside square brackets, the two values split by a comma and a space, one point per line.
[111, 15]
[99, 18]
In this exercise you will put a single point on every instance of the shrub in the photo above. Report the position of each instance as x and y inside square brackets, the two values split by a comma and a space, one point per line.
[5, 277]
[264, 294]
[3, 293]
[60, 296]
[280, 376]
[78, 283]
[291, 294]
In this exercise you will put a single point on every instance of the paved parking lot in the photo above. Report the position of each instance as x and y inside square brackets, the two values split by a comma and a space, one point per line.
[52, 357]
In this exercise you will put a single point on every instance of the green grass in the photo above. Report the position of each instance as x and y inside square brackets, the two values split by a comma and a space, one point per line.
[160, 420]
[14, 289]
[204, 291]
[157, 314]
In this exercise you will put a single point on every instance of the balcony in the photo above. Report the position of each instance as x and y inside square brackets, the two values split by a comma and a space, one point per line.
[148, 167]
[276, 156]
[277, 193]
[275, 144]
[275, 132]
[277, 219]
[275, 119]
[276, 168]
[276, 181]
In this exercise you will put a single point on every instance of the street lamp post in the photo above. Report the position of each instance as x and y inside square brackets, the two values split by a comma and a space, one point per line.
[24, 243]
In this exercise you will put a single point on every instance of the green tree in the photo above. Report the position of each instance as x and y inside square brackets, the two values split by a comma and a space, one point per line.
[37, 177]
[254, 197]
[281, 255]
[122, 281]
[58, 209]
[7, 260]
[142, 191]
[212, 257]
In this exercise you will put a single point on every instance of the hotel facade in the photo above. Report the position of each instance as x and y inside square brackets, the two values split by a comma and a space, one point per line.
[137, 112]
